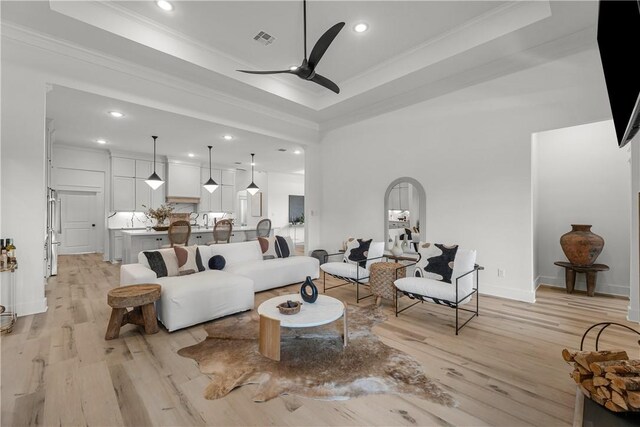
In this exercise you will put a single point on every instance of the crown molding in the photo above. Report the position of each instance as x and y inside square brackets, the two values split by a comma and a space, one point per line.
[30, 37]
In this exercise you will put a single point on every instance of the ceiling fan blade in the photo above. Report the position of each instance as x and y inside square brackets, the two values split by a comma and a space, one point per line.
[323, 81]
[266, 72]
[323, 44]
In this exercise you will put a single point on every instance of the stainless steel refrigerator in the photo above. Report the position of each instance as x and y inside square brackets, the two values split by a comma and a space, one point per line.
[53, 231]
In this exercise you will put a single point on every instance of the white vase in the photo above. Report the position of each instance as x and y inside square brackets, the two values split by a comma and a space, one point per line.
[396, 249]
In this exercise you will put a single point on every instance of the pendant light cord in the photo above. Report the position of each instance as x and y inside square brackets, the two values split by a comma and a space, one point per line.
[154, 153]
[210, 147]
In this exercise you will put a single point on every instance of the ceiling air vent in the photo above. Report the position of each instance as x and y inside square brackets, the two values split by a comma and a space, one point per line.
[282, 150]
[240, 169]
[264, 38]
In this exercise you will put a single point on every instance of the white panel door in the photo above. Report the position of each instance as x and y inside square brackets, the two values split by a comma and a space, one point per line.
[78, 216]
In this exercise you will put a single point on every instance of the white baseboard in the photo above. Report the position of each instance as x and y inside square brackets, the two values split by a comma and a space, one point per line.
[510, 293]
[31, 307]
[602, 288]
[633, 315]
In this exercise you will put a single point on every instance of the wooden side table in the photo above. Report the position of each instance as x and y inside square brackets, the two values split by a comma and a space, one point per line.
[381, 278]
[142, 299]
[570, 271]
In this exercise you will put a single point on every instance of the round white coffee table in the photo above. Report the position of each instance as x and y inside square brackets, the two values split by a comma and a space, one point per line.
[325, 310]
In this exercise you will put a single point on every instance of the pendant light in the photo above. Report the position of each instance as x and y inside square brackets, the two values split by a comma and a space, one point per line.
[252, 188]
[210, 185]
[154, 181]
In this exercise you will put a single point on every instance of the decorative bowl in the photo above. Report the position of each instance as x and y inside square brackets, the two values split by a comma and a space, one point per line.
[289, 307]
[160, 227]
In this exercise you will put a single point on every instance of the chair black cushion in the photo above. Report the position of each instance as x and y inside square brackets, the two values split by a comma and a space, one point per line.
[217, 262]
[360, 253]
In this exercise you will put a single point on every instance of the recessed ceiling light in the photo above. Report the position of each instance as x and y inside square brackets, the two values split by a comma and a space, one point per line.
[116, 114]
[191, 155]
[293, 67]
[238, 163]
[101, 141]
[360, 28]
[228, 137]
[165, 5]
[297, 151]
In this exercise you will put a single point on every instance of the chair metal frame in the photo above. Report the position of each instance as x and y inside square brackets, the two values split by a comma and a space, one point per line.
[179, 223]
[451, 304]
[348, 280]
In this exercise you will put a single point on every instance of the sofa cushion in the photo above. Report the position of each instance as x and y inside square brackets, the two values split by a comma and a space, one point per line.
[200, 297]
[435, 289]
[217, 262]
[163, 262]
[346, 270]
[282, 247]
[273, 273]
[436, 261]
[237, 253]
[357, 252]
[189, 260]
[268, 246]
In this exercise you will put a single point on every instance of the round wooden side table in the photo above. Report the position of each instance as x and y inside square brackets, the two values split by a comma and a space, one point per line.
[381, 278]
[141, 298]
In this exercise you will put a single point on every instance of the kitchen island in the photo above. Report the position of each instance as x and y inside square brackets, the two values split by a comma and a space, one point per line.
[136, 241]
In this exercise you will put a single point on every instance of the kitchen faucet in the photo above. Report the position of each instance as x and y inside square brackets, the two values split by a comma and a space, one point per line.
[205, 217]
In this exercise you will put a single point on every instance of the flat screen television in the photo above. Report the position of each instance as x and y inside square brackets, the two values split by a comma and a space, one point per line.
[619, 45]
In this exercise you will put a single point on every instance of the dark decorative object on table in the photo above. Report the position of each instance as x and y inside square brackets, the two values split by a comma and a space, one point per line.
[160, 227]
[581, 246]
[289, 307]
[307, 286]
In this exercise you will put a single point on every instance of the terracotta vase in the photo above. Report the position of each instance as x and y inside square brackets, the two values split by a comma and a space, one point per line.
[581, 246]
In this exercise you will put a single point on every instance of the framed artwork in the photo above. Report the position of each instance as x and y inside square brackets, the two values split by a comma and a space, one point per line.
[256, 204]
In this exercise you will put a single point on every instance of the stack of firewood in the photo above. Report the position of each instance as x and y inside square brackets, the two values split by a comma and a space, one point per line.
[607, 377]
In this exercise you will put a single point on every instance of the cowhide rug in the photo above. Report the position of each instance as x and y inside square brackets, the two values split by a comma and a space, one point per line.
[313, 361]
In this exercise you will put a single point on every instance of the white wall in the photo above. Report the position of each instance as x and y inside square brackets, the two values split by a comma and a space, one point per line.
[471, 150]
[583, 178]
[634, 291]
[281, 186]
[23, 181]
[243, 179]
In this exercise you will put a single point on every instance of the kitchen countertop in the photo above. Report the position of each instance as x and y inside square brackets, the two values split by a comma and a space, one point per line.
[145, 232]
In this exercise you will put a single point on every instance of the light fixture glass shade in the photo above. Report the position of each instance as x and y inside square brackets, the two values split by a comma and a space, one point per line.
[210, 185]
[154, 181]
[252, 188]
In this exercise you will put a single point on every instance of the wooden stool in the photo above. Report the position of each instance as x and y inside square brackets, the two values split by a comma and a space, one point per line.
[382, 276]
[570, 271]
[142, 299]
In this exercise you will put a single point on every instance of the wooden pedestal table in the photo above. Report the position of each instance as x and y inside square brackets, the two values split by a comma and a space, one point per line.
[381, 278]
[325, 310]
[570, 271]
[142, 299]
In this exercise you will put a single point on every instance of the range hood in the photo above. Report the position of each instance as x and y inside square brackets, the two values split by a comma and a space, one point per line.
[174, 199]
[183, 182]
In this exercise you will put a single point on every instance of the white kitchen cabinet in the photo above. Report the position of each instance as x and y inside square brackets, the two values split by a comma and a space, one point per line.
[117, 248]
[404, 197]
[144, 168]
[123, 167]
[158, 196]
[228, 177]
[143, 195]
[204, 175]
[183, 180]
[134, 244]
[399, 197]
[201, 238]
[124, 193]
[227, 196]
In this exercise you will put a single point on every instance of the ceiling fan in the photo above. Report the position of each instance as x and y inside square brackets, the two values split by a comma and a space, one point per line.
[307, 69]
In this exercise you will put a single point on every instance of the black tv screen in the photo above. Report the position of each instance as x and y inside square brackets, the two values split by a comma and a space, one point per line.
[619, 45]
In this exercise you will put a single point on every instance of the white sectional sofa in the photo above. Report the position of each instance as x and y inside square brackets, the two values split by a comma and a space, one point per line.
[202, 296]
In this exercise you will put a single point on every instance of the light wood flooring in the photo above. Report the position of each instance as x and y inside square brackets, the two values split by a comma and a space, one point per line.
[504, 369]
